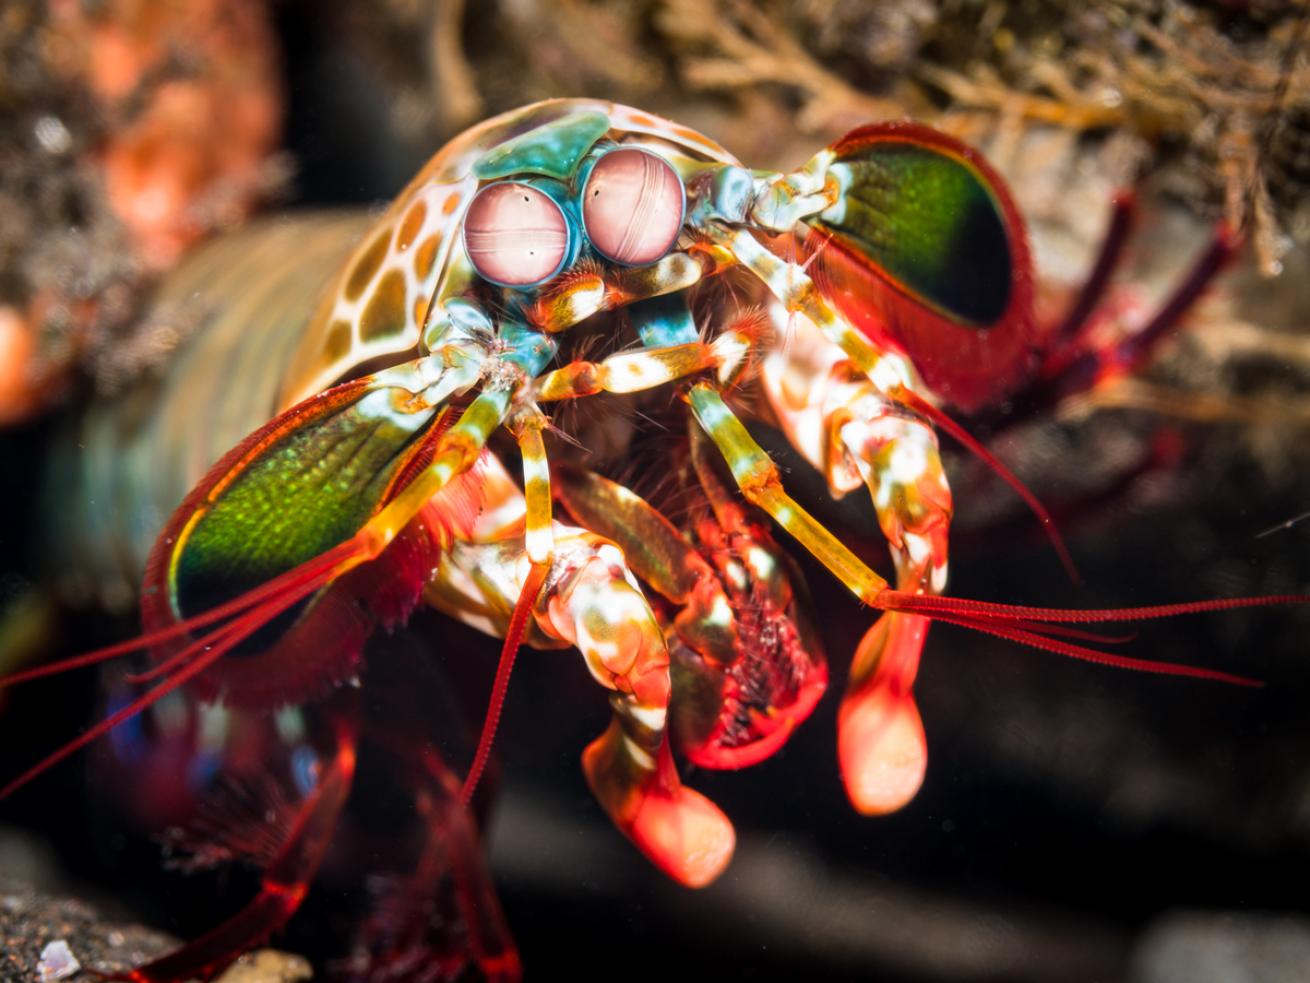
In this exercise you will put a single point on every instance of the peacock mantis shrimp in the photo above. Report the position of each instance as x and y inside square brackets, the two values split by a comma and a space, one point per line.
[840, 303]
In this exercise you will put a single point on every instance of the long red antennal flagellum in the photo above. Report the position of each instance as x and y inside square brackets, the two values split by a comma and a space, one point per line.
[208, 651]
[518, 624]
[1064, 631]
[317, 571]
[261, 614]
[1045, 628]
[197, 648]
[1038, 637]
[929, 605]
[921, 406]
[251, 611]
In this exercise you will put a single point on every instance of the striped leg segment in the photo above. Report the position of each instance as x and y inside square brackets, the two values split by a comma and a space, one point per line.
[583, 292]
[792, 286]
[648, 368]
[539, 546]
[590, 600]
[540, 537]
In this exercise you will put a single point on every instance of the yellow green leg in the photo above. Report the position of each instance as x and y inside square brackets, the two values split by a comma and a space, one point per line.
[757, 477]
[540, 538]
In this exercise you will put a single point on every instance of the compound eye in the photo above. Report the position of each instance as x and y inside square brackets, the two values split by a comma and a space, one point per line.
[632, 206]
[515, 235]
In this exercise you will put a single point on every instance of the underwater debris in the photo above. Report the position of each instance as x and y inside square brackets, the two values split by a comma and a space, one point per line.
[57, 962]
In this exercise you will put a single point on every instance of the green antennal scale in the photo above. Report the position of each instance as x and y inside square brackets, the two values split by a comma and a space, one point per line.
[930, 223]
[925, 249]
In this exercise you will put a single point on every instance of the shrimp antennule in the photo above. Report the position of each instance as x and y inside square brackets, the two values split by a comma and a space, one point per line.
[921, 406]
[518, 624]
[319, 571]
[250, 612]
[1044, 628]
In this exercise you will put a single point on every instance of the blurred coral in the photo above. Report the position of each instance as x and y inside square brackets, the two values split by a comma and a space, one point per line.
[131, 129]
[191, 94]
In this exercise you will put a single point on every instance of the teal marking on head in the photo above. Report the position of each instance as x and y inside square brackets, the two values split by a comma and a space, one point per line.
[529, 350]
[555, 149]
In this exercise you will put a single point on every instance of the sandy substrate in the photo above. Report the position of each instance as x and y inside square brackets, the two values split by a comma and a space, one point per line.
[32, 926]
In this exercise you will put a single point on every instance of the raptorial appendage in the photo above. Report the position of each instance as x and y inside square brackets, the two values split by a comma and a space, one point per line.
[856, 437]
[747, 665]
[591, 601]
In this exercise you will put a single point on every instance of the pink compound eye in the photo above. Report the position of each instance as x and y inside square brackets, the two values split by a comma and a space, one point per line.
[632, 206]
[515, 235]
